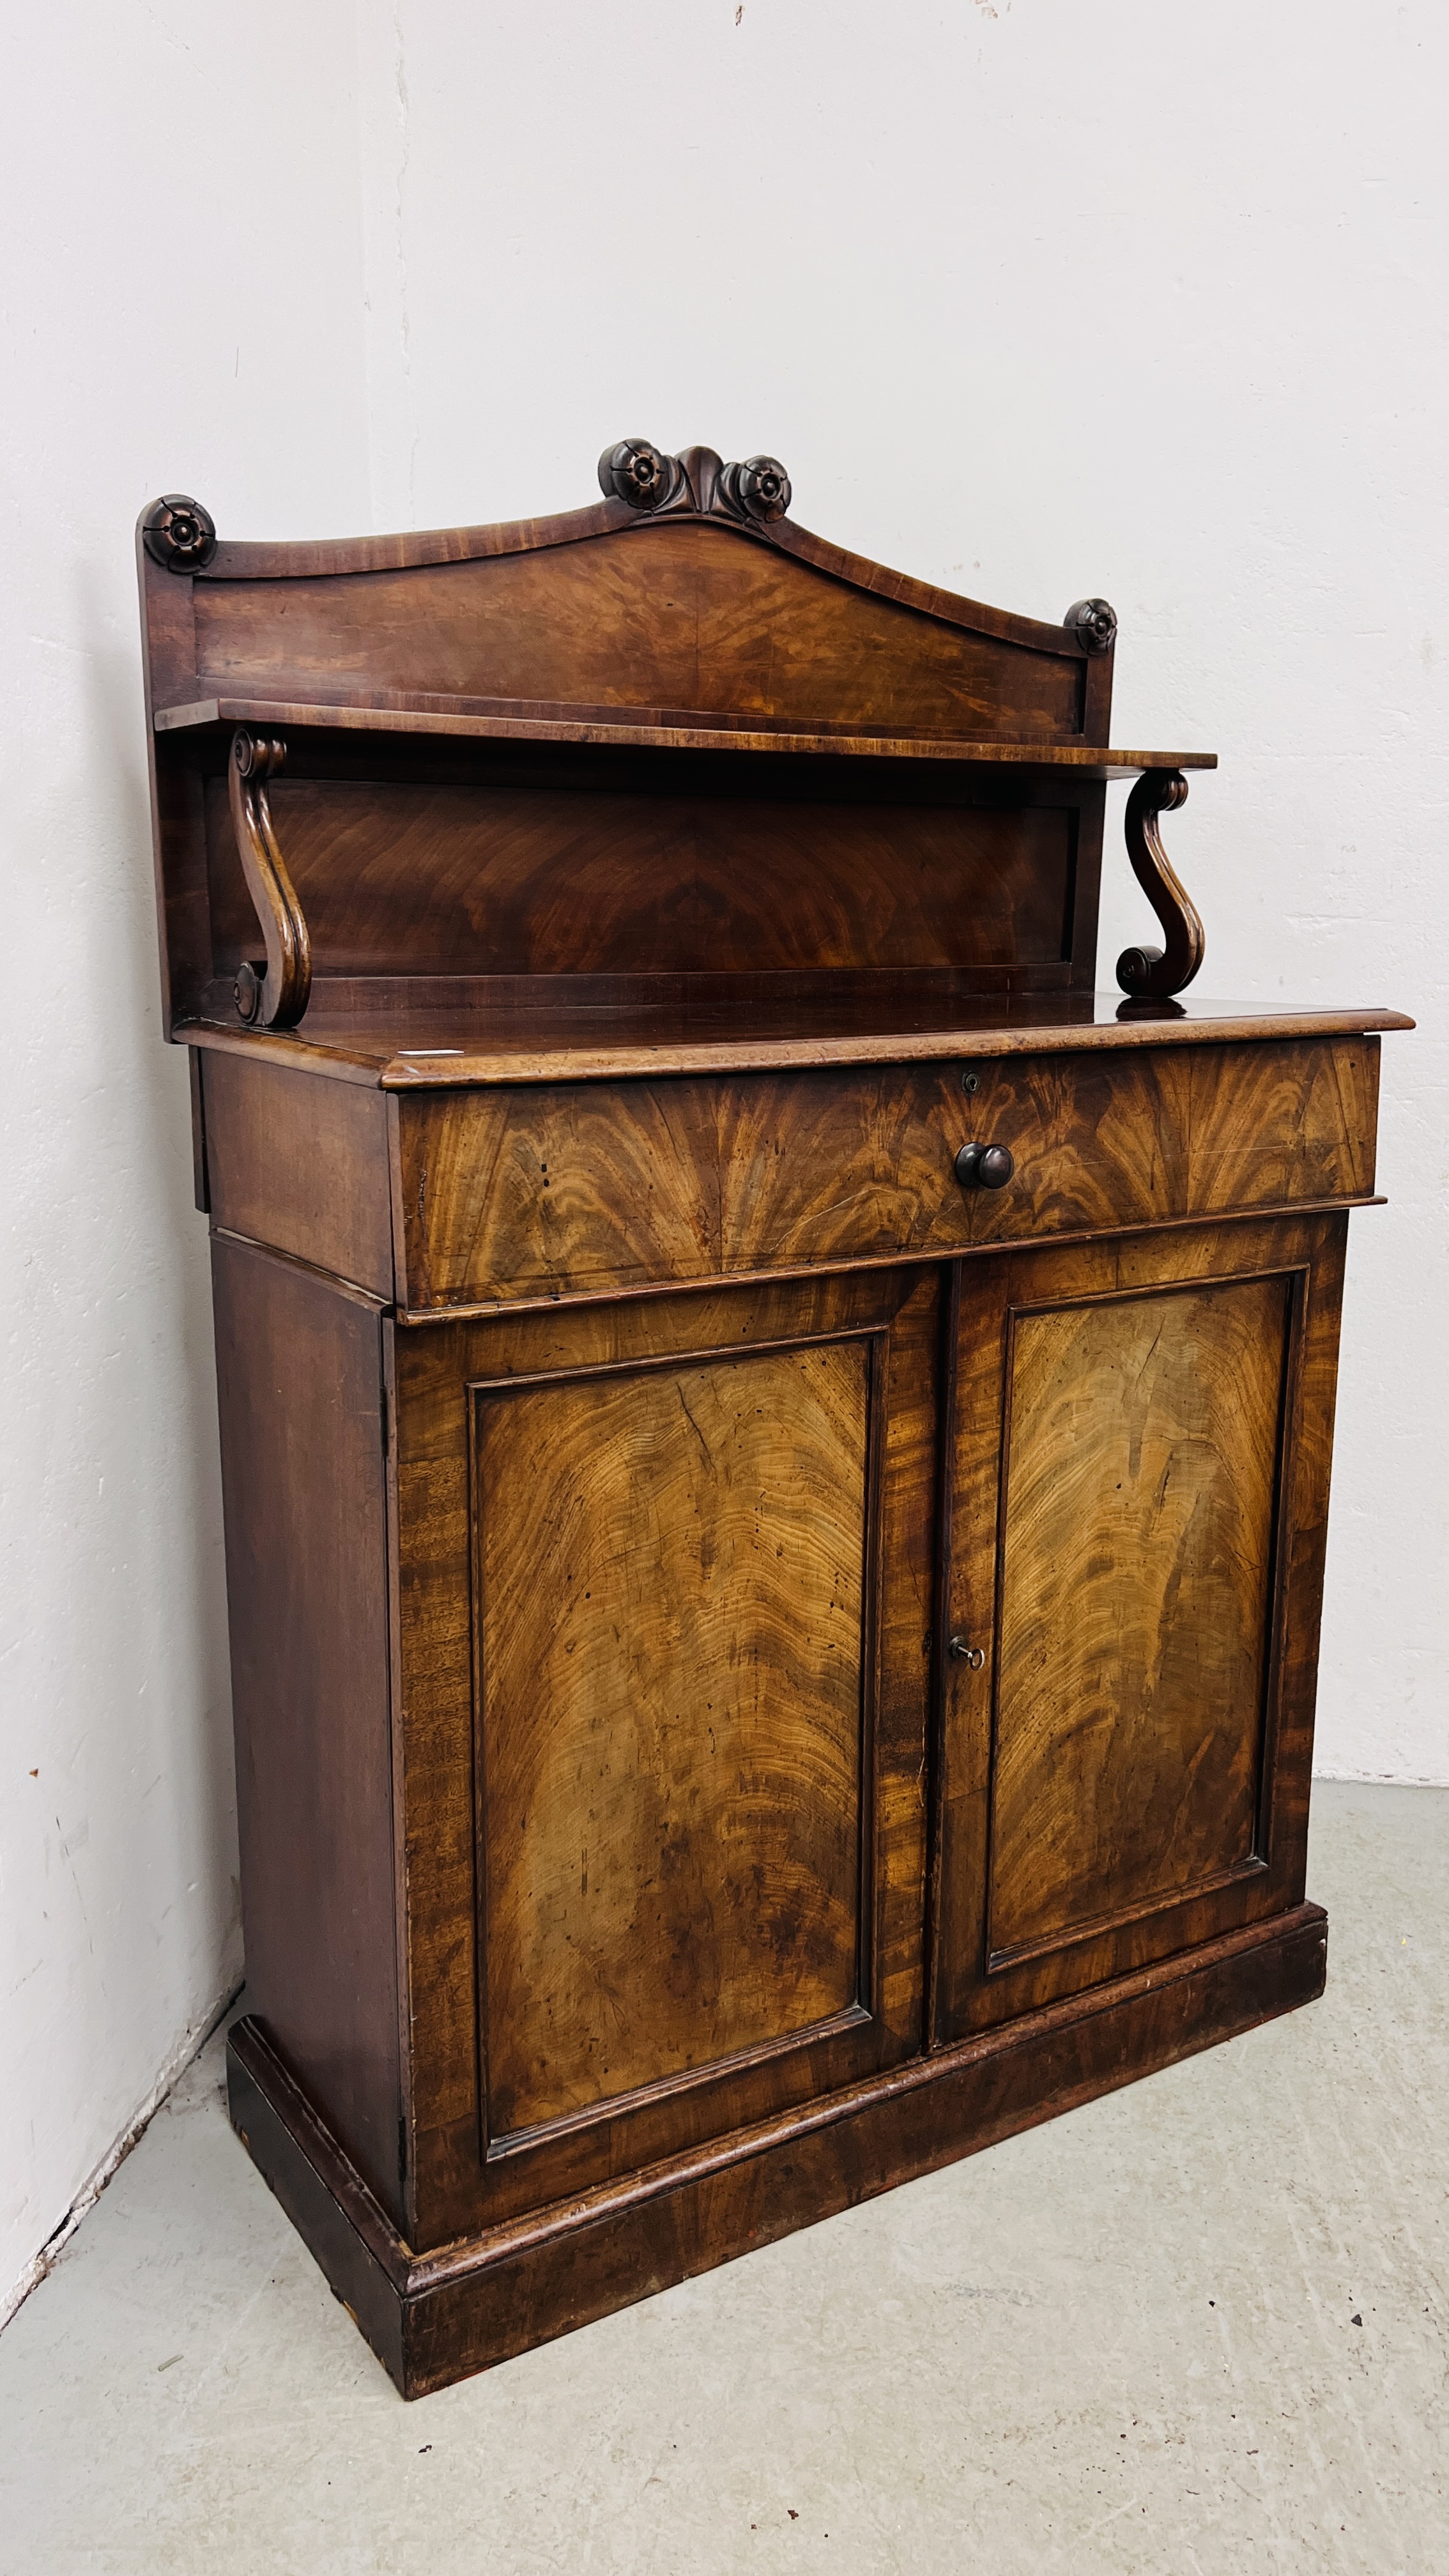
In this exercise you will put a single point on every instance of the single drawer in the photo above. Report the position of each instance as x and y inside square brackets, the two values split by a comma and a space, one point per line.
[594, 1189]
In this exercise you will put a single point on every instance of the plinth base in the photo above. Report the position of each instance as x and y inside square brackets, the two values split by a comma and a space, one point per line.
[435, 2318]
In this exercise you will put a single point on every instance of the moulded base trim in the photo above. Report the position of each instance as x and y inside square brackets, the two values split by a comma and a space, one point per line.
[436, 2317]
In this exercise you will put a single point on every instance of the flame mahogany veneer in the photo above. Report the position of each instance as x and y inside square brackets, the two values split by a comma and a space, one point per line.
[775, 1445]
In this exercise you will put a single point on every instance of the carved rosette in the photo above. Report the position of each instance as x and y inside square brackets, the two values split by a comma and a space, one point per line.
[642, 475]
[178, 533]
[752, 495]
[1094, 624]
[1155, 974]
[759, 489]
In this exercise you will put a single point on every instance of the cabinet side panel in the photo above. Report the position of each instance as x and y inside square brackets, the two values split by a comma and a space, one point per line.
[300, 1163]
[299, 1372]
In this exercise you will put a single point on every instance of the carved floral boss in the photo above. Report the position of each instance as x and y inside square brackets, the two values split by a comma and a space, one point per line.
[754, 494]
[180, 535]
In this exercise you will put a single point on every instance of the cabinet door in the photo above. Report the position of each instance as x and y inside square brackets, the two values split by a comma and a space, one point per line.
[665, 1654]
[1133, 1553]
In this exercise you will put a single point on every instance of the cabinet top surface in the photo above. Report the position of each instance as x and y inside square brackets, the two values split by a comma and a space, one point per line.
[421, 1044]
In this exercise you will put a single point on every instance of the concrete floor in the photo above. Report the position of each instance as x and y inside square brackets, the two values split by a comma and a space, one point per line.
[1199, 2327]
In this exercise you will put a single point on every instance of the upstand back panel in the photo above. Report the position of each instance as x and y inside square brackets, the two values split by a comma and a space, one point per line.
[775, 1445]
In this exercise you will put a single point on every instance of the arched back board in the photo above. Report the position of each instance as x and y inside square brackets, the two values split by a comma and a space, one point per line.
[666, 740]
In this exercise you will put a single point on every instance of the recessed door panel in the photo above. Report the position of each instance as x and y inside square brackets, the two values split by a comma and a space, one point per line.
[664, 1658]
[673, 1652]
[1137, 1533]
[1137, 1491]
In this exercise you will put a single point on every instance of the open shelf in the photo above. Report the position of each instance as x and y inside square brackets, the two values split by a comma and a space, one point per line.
[654, 729]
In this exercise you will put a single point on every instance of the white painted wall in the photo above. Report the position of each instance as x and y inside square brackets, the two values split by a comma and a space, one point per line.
[1033, 300]
[181, 300]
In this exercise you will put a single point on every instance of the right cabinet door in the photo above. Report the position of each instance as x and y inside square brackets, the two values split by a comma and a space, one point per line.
[1137, 1491]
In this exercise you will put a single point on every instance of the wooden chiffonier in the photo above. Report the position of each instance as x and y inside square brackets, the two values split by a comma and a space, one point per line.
[775, 1447]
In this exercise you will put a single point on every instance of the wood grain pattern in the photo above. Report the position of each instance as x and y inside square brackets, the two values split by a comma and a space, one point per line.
[299, 1395]
[615, 635]
[663, 615]
[429, 722]
[300, 1164]
[674, 1648]
[1137, 1534]
[438, 1373]
[1101, 1144]
[588, 1190]
[415, 548]
[454, 879]
[1258, 1265]
[1277, 1124]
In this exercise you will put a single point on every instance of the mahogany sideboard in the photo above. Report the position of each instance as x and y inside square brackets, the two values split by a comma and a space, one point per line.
[775, 1445]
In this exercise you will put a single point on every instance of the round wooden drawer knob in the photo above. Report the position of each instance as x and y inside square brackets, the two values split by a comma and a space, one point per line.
[984, 1167]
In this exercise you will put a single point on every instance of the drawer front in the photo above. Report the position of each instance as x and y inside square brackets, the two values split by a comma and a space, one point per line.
[597, 1189]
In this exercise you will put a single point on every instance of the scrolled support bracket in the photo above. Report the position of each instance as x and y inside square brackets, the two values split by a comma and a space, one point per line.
[274, 996]
[1155, 974]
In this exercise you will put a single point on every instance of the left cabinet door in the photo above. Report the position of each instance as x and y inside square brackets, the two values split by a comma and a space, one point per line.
[665, 1574]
